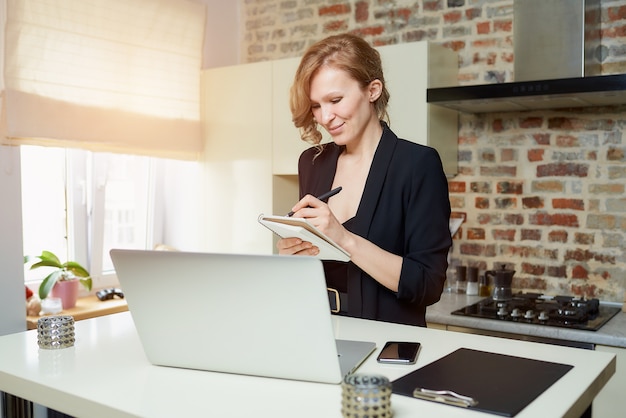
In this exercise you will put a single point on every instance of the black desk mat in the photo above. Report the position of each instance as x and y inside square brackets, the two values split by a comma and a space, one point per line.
[502, 384]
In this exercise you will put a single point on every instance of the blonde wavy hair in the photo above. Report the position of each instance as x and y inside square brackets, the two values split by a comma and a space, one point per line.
[346, 52]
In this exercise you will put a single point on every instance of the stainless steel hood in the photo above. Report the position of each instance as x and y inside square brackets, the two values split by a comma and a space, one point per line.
[557, 59]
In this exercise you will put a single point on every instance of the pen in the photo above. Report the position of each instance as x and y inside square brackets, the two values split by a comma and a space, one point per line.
[324, 196]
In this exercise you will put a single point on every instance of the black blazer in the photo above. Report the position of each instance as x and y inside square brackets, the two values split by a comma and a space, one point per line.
[405, 209]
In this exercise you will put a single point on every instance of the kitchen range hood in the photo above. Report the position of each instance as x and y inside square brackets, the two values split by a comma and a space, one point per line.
[529, 95]
[557, 49]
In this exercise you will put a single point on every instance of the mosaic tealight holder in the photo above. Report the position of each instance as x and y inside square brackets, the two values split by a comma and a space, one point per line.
[366, 396]
[54, 332]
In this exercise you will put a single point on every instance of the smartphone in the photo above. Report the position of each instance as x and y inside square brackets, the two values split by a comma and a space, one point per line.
[399, 352]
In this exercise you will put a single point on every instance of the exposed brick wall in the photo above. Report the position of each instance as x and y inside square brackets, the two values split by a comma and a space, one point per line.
[541, 190]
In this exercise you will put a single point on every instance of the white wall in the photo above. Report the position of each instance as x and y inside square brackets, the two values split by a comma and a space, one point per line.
[12, 296]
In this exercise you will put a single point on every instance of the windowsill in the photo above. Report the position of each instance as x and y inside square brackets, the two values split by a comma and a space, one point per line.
[87, 307]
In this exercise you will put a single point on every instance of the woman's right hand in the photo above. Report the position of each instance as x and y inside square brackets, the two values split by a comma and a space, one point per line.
[296, 246]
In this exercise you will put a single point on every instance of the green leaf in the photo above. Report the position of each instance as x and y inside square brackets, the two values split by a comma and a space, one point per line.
[48, 283]
[76, 268]
[87, 283]
[50, 257]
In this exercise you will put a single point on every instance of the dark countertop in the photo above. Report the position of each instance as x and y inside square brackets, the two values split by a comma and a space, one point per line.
[613, 333]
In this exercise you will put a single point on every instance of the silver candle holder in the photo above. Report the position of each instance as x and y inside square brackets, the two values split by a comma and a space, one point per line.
[366, 396]
[54, 332]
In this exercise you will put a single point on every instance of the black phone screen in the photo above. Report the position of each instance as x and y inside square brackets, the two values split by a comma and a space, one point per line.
[399, 352]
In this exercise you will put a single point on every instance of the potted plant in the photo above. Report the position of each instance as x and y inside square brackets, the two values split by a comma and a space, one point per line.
[64, 279]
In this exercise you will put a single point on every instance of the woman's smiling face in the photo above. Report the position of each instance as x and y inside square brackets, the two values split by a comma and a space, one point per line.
[340, 104]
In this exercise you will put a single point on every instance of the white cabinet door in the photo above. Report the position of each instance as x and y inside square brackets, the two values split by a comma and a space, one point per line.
[237, 115]
[410, 69]
[286, 142]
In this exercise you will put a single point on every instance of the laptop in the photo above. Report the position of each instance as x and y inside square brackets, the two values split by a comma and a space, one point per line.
[261, 315]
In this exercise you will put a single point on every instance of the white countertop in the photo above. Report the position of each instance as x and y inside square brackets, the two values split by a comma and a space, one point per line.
[107, 375]
[613, 333]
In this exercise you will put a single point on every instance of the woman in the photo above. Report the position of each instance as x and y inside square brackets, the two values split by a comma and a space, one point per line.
[393, 210]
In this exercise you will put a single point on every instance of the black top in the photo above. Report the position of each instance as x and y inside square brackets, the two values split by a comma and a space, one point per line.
[405, 210]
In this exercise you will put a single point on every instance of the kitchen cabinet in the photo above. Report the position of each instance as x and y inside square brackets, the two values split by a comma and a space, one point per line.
[238, 159]
[286, 143]
[410, 69]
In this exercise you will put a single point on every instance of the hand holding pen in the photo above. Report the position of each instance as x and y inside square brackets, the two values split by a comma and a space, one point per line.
[323, 197]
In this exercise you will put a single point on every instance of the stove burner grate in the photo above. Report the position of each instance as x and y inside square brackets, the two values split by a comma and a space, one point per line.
[534, 308]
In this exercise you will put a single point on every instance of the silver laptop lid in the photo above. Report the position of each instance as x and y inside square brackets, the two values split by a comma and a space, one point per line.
[265, 315]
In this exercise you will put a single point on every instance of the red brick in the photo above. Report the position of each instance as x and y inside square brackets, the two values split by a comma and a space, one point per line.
[336, 26]
[557, 236]
[483, 28]
[481, 203]
[433, 5]
[586, 255]
[503, 234]
[557, 271]
[531, 122]
[616, 13]
[456, 186]
[579, 272]
[510, 187]
[583, 238]
[575, 204]
[535, 155]
[361, 11]
[484, 43]
[559, 219]
[562, 169]
[334, 10]
[513, 219]
[532, 202]
[531, 235]
[478, 250]
[475, 233]
[370, 31]
[502, 25]
[505, 202]
[452, 17]
[533, 269]
[586, 289]
[455, 45]
[566, 141]
[480, 187]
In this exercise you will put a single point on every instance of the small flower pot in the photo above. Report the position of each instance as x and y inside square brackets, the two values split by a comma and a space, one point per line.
[67, 290]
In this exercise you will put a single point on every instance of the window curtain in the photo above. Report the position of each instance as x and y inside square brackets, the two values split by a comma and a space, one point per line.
[105, 75]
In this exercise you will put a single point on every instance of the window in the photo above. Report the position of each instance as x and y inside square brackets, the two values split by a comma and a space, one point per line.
[80, 204]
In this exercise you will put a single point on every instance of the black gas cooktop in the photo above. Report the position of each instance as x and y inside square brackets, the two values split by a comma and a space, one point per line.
[535, 308]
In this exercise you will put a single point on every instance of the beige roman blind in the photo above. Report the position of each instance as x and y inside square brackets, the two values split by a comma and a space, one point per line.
[106, 75]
